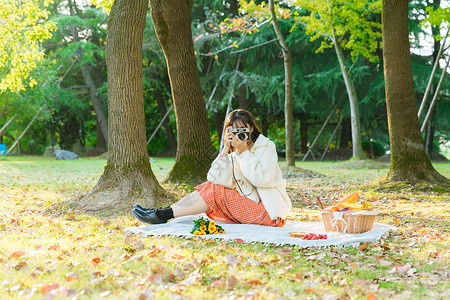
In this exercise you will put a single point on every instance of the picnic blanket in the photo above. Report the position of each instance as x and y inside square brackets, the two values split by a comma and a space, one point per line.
[249, 233]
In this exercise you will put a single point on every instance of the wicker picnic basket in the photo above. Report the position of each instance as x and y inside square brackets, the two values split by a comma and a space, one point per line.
[348, 222]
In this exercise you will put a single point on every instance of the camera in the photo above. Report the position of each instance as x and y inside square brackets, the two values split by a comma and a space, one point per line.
[241, 133]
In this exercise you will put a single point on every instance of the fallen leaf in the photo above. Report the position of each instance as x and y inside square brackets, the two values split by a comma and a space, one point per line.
[218, 283]
[21, 265]
[139, 245]
[385, 263]
[71, 277]
[146, 295]
[231, 259]
[232, 281]
[254, 282]
[96, 261]
[364, 246]
[177, 257]
[401, 269]
[49, 287]
[18, 253]
[371, 297]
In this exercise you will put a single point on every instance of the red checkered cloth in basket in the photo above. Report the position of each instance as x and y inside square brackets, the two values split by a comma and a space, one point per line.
[227, 205]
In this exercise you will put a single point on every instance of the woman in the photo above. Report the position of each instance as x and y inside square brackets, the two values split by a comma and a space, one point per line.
[245, 184]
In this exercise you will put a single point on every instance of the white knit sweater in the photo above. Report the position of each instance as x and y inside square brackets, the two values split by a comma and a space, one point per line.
[257, 174]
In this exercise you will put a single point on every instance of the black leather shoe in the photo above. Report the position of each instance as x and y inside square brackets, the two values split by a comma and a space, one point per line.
[149, 217]
[141, 211]
[141, 207]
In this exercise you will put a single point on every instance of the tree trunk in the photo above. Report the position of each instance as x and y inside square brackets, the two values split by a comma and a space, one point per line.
[101, 117]
[409, 162]
[172, 21]
[354, 108]
[127, 177]
[288, 102]
[167, 126]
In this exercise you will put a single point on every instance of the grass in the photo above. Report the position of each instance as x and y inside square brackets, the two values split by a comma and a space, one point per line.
[48, 251]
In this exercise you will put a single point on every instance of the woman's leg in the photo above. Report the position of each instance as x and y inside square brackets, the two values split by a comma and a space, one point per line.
[192, 204]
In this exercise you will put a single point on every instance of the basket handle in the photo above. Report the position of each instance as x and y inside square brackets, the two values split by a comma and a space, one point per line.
[320, 203]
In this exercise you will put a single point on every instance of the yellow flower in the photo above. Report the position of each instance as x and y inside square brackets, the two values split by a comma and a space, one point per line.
[197, 232]
[202, 223]
[203, 228]
[212, 223]
[211, 228]
[202, 232]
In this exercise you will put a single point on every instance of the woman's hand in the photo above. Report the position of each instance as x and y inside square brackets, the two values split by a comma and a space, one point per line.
[227, 139]
[240, 145]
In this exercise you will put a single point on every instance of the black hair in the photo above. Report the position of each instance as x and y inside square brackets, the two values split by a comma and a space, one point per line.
[245, 117]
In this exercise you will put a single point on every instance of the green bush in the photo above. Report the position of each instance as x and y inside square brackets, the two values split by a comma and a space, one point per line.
[378, 149]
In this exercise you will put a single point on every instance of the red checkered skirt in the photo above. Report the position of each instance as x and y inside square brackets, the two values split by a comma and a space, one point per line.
[227, 205]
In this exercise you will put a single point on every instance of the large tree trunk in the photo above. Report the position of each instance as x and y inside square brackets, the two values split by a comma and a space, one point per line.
[127, 177]
[288, 102]
[358, 152]
[172, 21]
[409, 163]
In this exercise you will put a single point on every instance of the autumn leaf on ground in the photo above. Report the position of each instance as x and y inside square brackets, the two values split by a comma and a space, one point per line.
[385, 263]
[401, 269]
[232, 281]
[18, 253]
[253, 282]
[49, 287]
[96, 261]
[218, 283]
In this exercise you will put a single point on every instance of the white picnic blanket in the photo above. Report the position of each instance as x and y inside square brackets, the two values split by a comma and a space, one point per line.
[182, 227]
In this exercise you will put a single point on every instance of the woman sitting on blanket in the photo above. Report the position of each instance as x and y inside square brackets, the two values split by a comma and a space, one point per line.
[244, 186]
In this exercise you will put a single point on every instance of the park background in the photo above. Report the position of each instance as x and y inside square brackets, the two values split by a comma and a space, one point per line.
[57, 96]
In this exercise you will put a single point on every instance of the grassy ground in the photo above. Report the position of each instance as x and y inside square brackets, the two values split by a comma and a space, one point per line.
[48, 251]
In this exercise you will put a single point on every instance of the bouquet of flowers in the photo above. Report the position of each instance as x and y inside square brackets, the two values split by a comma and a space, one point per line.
[205, 226]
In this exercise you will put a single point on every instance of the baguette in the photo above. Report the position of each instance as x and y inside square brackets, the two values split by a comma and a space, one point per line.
[297, 234]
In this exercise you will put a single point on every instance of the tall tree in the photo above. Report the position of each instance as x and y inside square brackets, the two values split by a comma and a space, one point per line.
[344, 25]
[172, 21]
[127, 176]
[409, 162]
[288, 105]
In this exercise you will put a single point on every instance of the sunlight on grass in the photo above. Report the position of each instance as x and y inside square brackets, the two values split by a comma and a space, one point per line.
[48, 249]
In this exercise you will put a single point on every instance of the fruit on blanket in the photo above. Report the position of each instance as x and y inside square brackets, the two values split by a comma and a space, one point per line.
[312, 236]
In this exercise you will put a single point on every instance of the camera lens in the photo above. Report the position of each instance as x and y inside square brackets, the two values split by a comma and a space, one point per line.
[241, 136]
